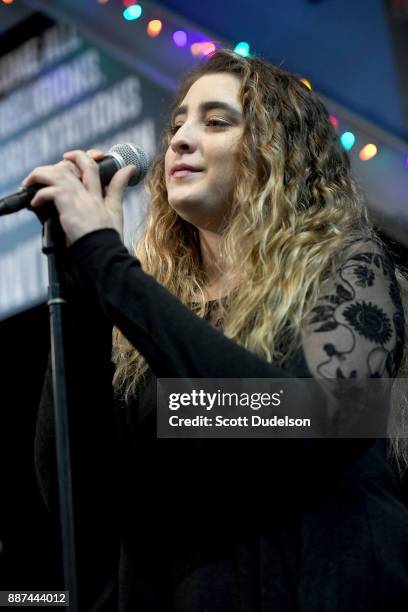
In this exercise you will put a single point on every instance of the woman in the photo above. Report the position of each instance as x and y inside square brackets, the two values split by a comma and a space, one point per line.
[255, 227]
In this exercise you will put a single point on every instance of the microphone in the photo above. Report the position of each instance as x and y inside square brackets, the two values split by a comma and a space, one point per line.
[119, 156]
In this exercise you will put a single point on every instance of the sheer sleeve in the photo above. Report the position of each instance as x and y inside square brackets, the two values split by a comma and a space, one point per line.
[356, 330]
[356, 333]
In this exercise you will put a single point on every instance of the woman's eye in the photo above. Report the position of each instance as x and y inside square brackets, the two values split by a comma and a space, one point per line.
[217, 123]
[209, 122]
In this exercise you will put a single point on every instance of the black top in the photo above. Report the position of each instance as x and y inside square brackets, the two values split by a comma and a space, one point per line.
[226, 524]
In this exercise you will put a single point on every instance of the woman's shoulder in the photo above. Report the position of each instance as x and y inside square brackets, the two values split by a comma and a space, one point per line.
[362, 260]
[366, 248]
[360, 245]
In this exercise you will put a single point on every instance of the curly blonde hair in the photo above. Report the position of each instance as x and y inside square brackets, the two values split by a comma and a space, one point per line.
[294, 211]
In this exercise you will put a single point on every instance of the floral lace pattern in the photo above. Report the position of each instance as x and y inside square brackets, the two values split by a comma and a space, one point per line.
[357, 329]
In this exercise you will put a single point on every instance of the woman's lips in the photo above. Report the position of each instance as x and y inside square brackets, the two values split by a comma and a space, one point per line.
[184, 172]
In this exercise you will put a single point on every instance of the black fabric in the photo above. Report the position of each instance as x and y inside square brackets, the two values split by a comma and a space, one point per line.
[225, 525]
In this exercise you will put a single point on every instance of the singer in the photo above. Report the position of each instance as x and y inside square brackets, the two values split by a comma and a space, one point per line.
[258, 260]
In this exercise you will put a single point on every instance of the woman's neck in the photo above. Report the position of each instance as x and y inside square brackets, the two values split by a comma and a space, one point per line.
[210, 246]
[214, 266]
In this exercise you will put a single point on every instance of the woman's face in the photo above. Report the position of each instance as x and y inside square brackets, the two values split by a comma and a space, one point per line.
[208, 126]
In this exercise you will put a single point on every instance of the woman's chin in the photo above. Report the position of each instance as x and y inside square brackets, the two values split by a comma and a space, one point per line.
[184, 205]
[188, 212]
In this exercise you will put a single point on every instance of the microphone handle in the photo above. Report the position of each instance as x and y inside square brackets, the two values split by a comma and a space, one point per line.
[108, 166]
[19, 200]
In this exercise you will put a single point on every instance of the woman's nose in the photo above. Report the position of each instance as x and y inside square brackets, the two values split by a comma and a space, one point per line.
[185, 139]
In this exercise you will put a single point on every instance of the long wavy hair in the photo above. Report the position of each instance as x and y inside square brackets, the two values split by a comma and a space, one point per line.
[294, 211]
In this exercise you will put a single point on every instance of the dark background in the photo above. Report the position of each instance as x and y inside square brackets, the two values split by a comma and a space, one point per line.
[30, 557]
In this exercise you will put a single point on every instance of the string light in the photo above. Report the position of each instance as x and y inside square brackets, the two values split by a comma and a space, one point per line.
[406, 162]
[132, 12]
[180, 38]
[202, 48]
[242, 48]
[368, 152]
[154, 28]
[8, 1]
[127, 3]
[208, 48]
[347, 140]
[195, 49]
[307, 83]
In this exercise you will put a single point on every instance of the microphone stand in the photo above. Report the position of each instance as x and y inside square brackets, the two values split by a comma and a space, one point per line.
[53, 242]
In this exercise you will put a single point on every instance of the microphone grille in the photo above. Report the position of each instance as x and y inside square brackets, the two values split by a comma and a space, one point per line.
[126, 154]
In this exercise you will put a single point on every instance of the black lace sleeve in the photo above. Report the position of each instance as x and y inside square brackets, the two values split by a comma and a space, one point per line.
[357, 328]
[356, 333]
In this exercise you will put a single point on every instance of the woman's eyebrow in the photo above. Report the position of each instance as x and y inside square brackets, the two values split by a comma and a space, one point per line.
[209, 105]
